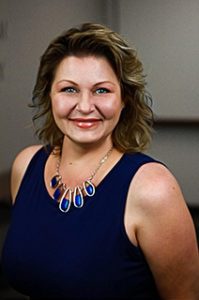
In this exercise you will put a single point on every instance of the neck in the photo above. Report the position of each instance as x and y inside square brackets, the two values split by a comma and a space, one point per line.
[72, 152]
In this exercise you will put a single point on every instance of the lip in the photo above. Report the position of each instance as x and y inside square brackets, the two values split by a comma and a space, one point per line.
[85, 122]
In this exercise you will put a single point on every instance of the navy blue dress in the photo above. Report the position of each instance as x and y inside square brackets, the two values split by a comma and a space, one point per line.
[82, 254]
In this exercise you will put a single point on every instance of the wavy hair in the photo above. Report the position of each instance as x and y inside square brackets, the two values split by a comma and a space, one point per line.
[133, 131]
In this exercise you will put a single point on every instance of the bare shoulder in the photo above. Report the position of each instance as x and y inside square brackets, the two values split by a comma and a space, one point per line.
[154, 185]
[165, 231]
[158, 198]
[19, 167]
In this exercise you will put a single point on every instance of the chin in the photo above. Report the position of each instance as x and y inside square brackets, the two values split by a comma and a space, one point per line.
[87, 140]
[81, 140]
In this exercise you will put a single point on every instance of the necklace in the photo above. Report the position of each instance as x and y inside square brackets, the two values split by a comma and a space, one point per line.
[64, 195]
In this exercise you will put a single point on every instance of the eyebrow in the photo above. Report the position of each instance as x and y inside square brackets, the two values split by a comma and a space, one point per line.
[96, 84]
[66, 80]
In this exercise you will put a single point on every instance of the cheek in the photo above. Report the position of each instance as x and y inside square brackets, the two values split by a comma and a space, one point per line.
[60, 107]
[111, 109]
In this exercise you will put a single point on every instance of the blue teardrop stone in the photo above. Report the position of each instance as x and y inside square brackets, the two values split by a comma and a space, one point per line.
[78, 200]
[57, 194]
[89, 189]
[54, 181]
[64, 204]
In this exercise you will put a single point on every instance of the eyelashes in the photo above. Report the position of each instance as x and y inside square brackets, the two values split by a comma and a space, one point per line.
[102, 91]
[73, 90]
[69, 90]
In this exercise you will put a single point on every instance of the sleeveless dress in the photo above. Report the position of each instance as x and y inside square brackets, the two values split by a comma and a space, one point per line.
[82, 254]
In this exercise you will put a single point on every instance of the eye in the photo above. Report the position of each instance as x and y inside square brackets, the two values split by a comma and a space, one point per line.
[69, 90]
[102, 91]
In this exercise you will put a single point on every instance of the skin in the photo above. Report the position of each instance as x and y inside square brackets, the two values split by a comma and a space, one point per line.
[86, 104]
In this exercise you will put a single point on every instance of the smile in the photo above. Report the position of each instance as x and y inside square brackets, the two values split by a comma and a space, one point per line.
[85, 123]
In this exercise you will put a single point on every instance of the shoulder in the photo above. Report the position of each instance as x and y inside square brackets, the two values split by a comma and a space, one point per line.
[25, 155]
[163, 224]
[19, 167]
[153, 182]
[157, 195]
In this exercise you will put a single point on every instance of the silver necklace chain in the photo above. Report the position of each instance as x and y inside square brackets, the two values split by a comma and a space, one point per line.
[65, 195]
[101, 162]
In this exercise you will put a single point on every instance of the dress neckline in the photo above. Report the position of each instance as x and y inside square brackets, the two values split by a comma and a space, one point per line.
[98, 187]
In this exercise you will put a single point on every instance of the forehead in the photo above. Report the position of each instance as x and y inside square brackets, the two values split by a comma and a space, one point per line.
[86, 65]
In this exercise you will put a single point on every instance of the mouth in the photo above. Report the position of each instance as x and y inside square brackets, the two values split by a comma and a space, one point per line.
[85, 123]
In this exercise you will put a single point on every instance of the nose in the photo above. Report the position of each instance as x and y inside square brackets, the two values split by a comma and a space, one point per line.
[85, 103]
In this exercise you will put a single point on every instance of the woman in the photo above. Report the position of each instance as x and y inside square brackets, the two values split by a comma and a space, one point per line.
[93, 216]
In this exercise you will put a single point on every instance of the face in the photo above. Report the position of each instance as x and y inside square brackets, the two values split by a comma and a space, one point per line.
[86, 99]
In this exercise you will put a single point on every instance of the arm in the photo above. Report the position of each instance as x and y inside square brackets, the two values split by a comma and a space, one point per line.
[19, 167]
[165, 233]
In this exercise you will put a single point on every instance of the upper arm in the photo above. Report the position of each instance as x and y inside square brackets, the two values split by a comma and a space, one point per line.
[19, 167]
[166, 234]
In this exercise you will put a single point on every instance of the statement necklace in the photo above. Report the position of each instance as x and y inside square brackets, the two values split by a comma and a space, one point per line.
[64, 195]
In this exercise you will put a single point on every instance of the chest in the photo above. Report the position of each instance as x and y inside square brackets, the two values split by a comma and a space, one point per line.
[83, 252]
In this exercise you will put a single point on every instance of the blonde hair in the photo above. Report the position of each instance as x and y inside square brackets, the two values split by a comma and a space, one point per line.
[133, 131]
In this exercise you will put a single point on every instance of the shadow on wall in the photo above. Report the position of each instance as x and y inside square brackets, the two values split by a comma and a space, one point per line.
[6, 292]
[5, 188]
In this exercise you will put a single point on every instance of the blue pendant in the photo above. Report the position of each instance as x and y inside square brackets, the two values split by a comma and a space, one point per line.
[65, 202]
[58, 193]
[65, 196]
[89, 188]
[55, 181]
[78, 199]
